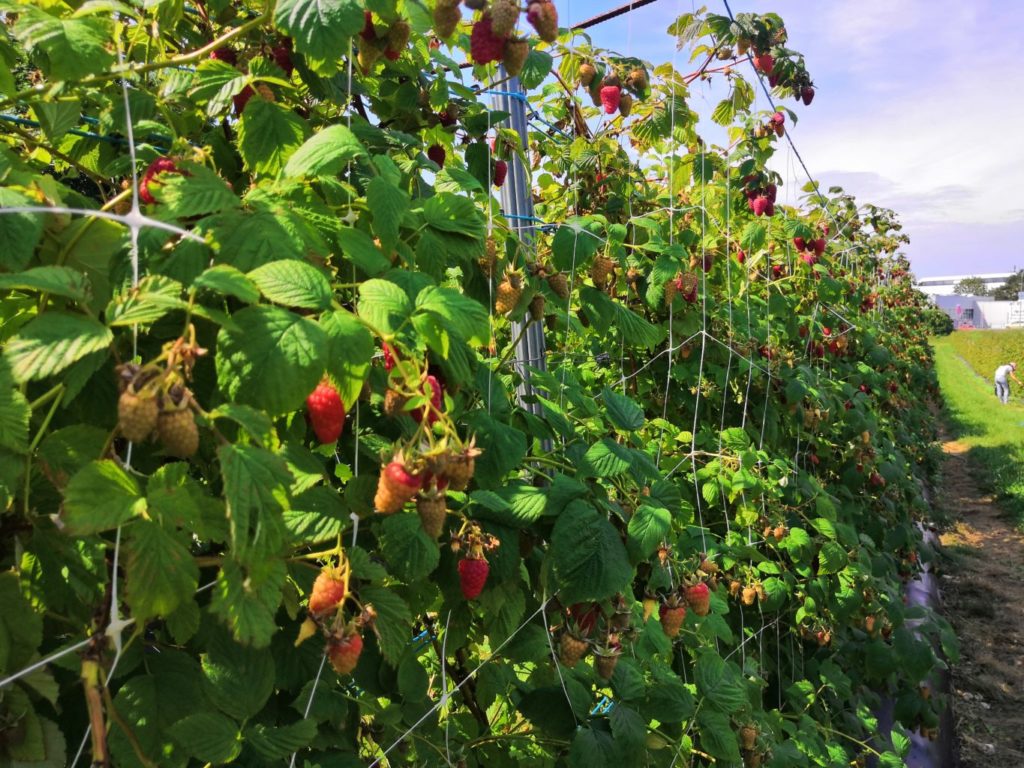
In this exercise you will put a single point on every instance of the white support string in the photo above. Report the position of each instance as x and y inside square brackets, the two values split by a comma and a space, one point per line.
[443, 700]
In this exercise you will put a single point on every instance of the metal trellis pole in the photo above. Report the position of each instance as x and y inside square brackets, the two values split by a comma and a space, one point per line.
[517, 203]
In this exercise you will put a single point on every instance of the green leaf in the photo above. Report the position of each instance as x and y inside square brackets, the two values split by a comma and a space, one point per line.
[20, 232]
[317, 516]
[349, 353]
[320, 29]
[52, 342]
[607, 459]
[589, 559]
[719, 682]
[256, 488]
[101, 496]
[276, 744]
[293, 283]
[455, 214]
[514, 505]
[389, 205]
[267, 134]
[717, 736]
[535, 69]
[57, 117]
[230, 281]
[154, 297]
[359, 248]
[592, 748]
[410, 553]
[159, 570]
[57, 281]
[21, 628]
[247, 598]
[648, 528]
[328, 151]
[503, 447]
[384, 305]
[209, 737]
[623, 412]
[629, 729]
[66, 49]
[199, 193]
[273, 361]
[832, 558]
[574, 246]
[394, 620]
[14, 416]
[468, 317]
[236, 679]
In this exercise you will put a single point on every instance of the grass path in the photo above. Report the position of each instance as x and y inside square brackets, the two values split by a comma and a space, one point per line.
[992, 433]
[983, 586]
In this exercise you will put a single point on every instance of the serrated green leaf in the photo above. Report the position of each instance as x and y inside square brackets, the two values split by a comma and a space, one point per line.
[293, 283]
[198, 193]
[588, 555]
[267, 135]
[273, 361]
[230, 281]
[247, 598]
[52, 342]
[359, 248]
[237, 679]
[256, 486]
[384, 305]
[648, 528]
[719, 682]
[159, 570]
[410, 553]
[607, 459]
[153, 298]
[209, 737]
[623, 412]
[468, 317]
[454, 214]
[56, 281]
[394, 620]
[327, 152]
[14, 417]
[320, 29]
[66, 49]
[20, 232]
[349, 353]
[717, 736]
[389, 205]
[535, 69]
[277, 744]
[100, 497]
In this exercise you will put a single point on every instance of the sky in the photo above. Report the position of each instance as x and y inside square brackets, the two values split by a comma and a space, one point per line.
[918, 108]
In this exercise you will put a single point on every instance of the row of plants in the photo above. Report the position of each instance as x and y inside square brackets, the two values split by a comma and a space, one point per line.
[272, 430]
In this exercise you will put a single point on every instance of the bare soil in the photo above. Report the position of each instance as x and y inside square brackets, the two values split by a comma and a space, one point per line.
[983, 592]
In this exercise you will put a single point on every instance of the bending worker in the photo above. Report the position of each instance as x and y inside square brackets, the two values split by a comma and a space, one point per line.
[1002, 385]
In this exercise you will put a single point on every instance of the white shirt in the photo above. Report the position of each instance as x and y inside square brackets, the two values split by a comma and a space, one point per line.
[1002, 372]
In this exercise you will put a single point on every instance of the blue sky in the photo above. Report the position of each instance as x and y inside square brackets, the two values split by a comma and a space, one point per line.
[920, 107]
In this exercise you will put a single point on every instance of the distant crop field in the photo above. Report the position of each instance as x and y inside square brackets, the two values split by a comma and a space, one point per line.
[986, 350]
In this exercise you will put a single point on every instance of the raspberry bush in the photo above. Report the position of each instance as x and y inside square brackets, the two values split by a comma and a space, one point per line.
[687, 547]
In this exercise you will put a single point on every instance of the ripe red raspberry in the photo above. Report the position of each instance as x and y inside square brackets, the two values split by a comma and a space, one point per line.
[611, 96]
[759, 205]
[395, 487]
[389, 357]
[368, 32]
[807, 95]
[672, 618]
[799, 243]
[240, 99]
[764, 63]
[437, 154]
[500, 173]
[327, 593]
[160, 165]
[178, 432]
[344, 653]
[225, 54]
[282, 55]
[544, 18]
[326, 412]
[472, 576]
[819, 246]
[698, 597]
[484, 45]
[435, 390]
[136, 415]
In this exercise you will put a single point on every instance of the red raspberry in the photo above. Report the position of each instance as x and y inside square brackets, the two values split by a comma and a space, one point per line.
[282, 55]
[611, 96]
[395, 487]
[225, 54]
[160, 165]
[472, 576]
[344, 653]
[368, 33]
[799, 243]
[764, 63]
[437, 154]
[544, 18]
[500, 173]
[436, 391]
[807, 95]
[698, 597]
[759, 205]
[389, 357]
[240, 99]
[326, 412]
[819, 246]
[484, 45]
[327, 593]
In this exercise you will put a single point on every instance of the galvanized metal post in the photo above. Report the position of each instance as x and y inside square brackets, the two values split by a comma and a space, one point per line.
[517, 203]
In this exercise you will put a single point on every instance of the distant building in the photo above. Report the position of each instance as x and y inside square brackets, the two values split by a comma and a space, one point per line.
[981, 312]
[944, 286]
